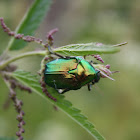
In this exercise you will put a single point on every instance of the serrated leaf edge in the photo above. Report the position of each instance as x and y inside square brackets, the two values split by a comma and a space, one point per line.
[76, 116]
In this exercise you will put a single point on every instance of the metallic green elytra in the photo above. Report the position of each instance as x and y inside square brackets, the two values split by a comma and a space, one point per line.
[70, 73]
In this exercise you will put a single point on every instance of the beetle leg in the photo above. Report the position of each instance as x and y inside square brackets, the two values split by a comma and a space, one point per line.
[68, 57]
[93, 82]
[58, 55]
[62, 91]
[91, 62]
[89, 87]
[51, 52]
[65, 90]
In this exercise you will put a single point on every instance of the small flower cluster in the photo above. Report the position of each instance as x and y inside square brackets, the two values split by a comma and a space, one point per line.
[98, 57]
[18, 106]
[49, 43]
[20, 36]
[13, 84]
[44, 89]
[43, 84]
[104, 70]
[50, 36]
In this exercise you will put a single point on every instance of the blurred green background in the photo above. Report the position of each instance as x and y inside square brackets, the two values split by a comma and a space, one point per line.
[114, 107]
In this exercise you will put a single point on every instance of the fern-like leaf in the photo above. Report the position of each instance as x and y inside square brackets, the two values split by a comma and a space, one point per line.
[6, 138]
[87, 49]
[32, 81]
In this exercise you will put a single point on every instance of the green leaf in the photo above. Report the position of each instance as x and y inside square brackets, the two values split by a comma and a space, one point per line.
[6, 138]
[32, 81]
[86, 49]
[30, 22]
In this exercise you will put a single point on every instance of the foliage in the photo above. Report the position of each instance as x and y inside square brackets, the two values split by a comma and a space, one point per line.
[30, 22]
[26, 81]
[86, 49]
[6, 138]
[66, 106]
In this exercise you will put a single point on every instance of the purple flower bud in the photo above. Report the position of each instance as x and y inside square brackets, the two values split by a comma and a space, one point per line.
[20, 102]
[11, 33]
[22, 113]
[12, 94]
[20, 138]
[44, 90]
[18, 134]
[19, 118]
[19, 36]
[107, 66]
[43, 84]
[13, 85]
[6, 30]
[46, 58]
[19, 125]
[23, 122]
[22, 130]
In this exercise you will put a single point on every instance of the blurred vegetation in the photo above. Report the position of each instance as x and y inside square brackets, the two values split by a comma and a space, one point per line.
[114, 107]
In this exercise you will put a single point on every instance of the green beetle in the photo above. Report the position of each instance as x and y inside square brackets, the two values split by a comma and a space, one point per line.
[70, 73]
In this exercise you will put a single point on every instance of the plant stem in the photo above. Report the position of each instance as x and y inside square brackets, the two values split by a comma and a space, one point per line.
[5, 63]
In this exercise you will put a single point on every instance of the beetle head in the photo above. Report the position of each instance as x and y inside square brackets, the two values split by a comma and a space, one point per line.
[97, 77]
